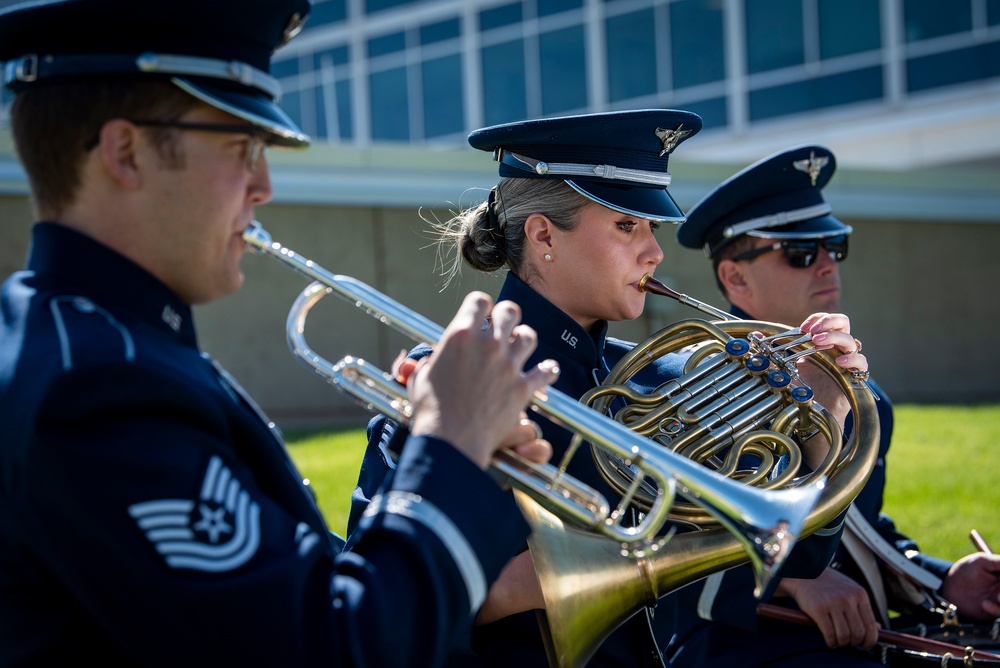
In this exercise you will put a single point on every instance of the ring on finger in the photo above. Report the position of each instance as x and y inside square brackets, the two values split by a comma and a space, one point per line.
[858, 344]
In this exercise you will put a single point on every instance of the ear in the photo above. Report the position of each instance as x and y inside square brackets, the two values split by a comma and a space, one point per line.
[118, 149]
[733, 279]
[538, 230]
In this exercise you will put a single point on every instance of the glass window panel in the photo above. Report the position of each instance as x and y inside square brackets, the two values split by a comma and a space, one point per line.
[549, 7]
[320, 130]
[563, 68]
[503, 83]
[714, 113]
[696, 42]
[631, 55]
[380, 46]
[338, 55]
[500, 16]
[818, 93]
[774, 34]
[848, 26]
[291, 103]
[345, 113]
[285, 68]
[953, 67]
[993, 12]
[330, 11]
[442, 83]
[923, 19]
[372, 6]
[390, 105]
[438, 32]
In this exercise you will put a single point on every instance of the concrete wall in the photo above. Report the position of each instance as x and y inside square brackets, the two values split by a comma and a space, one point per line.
[922, 297]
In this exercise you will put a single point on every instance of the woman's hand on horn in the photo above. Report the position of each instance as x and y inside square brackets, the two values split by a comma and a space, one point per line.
[832, 331]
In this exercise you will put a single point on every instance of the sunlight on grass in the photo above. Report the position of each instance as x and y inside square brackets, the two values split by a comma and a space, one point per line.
[941, 474]
[330, 460]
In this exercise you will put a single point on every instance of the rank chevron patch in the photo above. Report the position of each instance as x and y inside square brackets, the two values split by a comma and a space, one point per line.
[219, 532]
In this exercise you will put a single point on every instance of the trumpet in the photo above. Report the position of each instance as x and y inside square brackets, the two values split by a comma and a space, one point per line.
[764, 523]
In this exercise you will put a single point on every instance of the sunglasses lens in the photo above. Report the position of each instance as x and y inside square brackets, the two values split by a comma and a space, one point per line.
[800, 254]
[836, 245]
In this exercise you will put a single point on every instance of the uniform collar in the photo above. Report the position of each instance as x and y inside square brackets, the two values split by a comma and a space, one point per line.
[556, 329]
[740, 313]
[95, 271]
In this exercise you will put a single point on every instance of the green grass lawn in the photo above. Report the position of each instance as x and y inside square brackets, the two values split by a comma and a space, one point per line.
[942, 473]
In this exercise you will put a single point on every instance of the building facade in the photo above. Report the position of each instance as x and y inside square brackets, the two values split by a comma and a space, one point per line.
[905, 92]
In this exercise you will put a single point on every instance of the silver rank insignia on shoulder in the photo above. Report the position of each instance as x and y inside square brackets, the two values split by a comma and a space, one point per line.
[813, 166]
[218, 532]
[670, 138]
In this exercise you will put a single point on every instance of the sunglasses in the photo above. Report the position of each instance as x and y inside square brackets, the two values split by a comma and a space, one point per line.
[801, 253]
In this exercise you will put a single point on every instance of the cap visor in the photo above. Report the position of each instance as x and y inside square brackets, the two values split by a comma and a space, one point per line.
[257, 109]
[814, 228]
[650, 203]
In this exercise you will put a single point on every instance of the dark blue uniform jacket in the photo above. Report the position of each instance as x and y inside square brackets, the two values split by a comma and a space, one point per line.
[584, 359]
[149, 513]
[724, 629]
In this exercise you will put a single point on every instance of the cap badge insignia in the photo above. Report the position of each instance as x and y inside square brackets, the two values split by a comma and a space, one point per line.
[670, 138]
[813, 166]
[294, 27]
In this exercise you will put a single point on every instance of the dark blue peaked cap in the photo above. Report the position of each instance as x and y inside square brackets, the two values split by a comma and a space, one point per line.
[219, 51]
[617, 159]
[778, 197]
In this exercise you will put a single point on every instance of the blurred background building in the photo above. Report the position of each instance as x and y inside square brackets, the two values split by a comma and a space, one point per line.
[905, 92]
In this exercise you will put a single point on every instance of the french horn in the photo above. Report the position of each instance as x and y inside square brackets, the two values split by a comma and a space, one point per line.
[595, 571]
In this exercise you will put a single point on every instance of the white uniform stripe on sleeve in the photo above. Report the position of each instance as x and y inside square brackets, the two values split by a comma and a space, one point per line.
[419, 509]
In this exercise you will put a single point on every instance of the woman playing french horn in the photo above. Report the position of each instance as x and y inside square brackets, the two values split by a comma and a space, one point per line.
[573, 219]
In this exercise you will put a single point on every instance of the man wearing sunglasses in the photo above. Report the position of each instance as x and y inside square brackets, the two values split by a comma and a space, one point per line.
[149, 512]
[776, 251]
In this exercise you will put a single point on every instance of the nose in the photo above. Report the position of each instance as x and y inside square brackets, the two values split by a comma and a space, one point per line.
[826, 263]
[259, 187]
[652, 254]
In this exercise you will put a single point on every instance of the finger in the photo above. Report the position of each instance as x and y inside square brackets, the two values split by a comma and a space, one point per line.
[841, 629]
[525, 430]
[523, 341]
[403, 369]
[842, 341]
[871, 635]
[473, 311]
[828, 629]
[538, 451]
[826, 322]
[543, 374]
[857, 629]
[505, 317]
[991, 608]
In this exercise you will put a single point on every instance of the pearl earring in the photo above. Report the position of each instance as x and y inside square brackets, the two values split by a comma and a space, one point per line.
[547, 257]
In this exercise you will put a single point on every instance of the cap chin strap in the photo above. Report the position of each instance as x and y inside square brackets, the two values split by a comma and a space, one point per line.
[30, 68]
[575, 169]
[777, 220]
